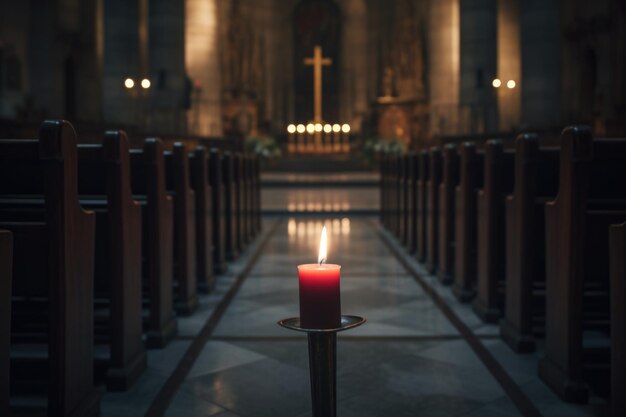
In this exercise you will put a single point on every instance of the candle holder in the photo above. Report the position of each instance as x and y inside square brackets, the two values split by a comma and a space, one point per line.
[323, 362]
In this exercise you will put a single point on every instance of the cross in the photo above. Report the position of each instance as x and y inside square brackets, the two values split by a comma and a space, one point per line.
[317, 61]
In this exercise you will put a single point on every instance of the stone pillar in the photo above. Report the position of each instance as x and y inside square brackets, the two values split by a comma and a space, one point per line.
[541, 69]
[202, 64]
[509, 64]
[122, 59]
[444, 66]
[354, 60]
[478, 65]
[45, 63]
[166, 20]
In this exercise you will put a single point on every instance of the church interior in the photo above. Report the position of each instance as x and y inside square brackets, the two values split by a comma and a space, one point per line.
[292, 208]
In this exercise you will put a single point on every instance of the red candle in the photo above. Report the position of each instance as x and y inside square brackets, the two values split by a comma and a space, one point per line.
[320, 302]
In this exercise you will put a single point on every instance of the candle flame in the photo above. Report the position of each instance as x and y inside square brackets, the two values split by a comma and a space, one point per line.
[321, 258]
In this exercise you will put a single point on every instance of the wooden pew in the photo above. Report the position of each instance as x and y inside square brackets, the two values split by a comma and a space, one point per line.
[230, 195]
[148, 186]
[6, 258]
[491, 269]
[409, 192]
[104, 188]
[199, 176]
[591, 197]
[219, 215]
[253, 183]
[447, 199]
[395, 224]
[422, 205]
[383, 190]
[466, 239]
[245, 199]
[617, 254]
[53, 265]
[432, 212]
[257, 194]
[185, 275]
[401, 224]
[536, 181]
[389, 194]
[239, 184]
[413, 161]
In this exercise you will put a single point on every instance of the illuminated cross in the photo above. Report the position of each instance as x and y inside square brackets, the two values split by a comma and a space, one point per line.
[317, 62]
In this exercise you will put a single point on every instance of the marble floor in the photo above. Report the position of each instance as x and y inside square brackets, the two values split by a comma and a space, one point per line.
[420, 353]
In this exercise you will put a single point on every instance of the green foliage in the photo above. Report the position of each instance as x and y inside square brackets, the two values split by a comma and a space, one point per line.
[373, 148]
[264, 147]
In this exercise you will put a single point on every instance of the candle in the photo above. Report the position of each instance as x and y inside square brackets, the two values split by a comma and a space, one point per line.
[320, 302]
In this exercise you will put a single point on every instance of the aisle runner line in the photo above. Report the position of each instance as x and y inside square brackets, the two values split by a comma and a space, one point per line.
[165, 396]
[512, 390]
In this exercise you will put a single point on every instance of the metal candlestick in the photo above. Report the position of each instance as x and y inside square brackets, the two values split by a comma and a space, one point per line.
[323, 362]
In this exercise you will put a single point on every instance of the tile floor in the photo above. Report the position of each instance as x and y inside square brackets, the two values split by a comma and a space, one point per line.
[407, 360]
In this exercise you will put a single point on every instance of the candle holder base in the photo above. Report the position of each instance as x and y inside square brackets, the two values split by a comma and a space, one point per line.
[323, 362]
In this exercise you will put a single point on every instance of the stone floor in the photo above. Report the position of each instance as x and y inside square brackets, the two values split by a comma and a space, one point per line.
[421, 353]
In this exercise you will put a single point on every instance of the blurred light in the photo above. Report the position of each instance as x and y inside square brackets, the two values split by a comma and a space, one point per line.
[318, 127]
[300, 129]
[129, 83]
[291, 128]
[345, 128]
[145, 83]
[292, 227]
[510, 84]
[328, 128]
[345, 226]
[336, 128]
[291, 207]
[310, 128]
[496, 83]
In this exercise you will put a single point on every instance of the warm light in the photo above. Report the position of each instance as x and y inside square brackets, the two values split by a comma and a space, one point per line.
[129, 83]
[336, 128]
[300, 129]
[328, 128]
[310, 128]
[345, 128]
[496, 83]
[145, 83]
[291, 129]
[321, 258]
[318, 127]
[292, 227]
[510, 84]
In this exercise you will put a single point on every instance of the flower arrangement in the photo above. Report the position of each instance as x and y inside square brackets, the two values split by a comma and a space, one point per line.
[265, 147]
[373, 148]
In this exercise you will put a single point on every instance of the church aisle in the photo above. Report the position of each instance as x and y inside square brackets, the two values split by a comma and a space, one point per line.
[407, 358]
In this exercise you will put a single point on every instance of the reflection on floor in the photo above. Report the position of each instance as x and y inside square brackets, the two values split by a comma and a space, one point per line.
[289, 194]
[407, 360]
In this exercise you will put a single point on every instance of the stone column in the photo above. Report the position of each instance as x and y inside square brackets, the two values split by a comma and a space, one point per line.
[509, 64]
[122, 52]
[541, 58]
[354, 60]
[444, 66]
[202, 65]
[478, 65]
[165, 113]
[45, 63]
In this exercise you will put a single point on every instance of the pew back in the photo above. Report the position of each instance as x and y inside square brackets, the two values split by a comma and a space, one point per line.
[53, 262]
[6, 257]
